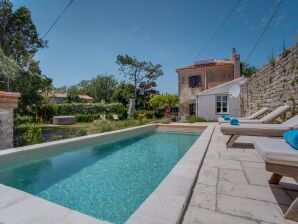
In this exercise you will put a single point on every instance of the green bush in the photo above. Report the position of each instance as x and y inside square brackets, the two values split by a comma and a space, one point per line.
[19, 120]
[30, 134]
[149, 114]
[88, 108]
[193, 119]
[47, 111]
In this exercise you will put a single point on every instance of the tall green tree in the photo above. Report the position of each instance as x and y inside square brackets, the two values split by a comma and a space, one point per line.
[20, 42]
[123, 92]
[9, 71]
[73, 94]
[101, 88]
[138, 71]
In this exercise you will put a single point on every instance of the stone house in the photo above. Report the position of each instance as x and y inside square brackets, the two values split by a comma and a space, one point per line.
[202, 76]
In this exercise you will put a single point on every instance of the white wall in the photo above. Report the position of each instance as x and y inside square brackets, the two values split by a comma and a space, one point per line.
[207, 107]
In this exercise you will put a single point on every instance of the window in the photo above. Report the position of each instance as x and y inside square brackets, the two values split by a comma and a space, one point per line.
[195, 81]
[192, 109]
[222, 104]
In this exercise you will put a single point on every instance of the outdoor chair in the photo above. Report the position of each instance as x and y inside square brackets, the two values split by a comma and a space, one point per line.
[253, 116]
[115, 117]
[282, 160]
[269, 118]
[266, 130]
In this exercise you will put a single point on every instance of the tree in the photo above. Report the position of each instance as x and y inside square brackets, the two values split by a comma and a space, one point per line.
[123, 92]
[73, 94]
[20, 42]
[9, 71]
[101, 88]
[18, 35]
[247, 70]
[165, 102]
[138, 71]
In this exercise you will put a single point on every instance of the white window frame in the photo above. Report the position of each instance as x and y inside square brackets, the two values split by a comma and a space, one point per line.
[221, 103]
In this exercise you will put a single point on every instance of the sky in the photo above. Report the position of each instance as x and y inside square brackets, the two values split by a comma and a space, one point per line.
[90, 35]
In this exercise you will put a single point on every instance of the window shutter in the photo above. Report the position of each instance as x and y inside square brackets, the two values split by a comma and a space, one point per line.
[190, 81]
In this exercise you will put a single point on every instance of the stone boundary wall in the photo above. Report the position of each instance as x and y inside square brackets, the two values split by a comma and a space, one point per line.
[275, 84]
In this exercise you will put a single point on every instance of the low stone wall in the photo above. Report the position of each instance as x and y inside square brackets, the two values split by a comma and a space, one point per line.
[273, 85]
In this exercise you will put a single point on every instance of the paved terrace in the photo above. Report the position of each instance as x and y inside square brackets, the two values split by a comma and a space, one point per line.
[232, 188]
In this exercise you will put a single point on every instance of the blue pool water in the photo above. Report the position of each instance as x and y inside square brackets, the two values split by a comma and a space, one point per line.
[107, 181]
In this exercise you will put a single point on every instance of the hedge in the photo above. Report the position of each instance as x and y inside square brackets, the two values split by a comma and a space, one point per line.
[89, 108]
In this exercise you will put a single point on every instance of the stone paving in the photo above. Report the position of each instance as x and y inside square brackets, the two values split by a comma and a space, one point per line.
[232, 188]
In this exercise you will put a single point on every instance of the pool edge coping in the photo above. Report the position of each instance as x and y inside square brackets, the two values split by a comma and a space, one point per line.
[167, 203]
[187, 161]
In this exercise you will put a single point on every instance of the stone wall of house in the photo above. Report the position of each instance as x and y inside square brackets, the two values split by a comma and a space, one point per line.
[6, 128]
[211, 76]
[8, 101]
[273, 85]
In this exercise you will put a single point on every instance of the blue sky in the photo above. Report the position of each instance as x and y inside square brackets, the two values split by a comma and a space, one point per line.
[90, 35]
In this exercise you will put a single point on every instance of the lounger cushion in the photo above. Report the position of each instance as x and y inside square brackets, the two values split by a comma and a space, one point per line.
[291, 137]
[273, 150]
[234, 121]
[272, 130]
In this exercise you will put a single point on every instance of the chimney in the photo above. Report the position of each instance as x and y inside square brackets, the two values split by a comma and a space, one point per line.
[236, 59]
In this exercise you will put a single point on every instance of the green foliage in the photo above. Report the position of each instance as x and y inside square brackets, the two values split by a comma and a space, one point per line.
[73, 94]
[285, 51]
[164, 102]
[101, 88]
[123, 92]
[88, 108]
[138, 71]
[271, 58]
[9, 71]
[193, 119]
[31, 135]
[47, 110]
[149, 114]
[20, 41]
[19, 120]
[142, 117]
[247, 70]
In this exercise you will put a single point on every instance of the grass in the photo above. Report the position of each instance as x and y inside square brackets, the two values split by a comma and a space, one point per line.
[57, 132]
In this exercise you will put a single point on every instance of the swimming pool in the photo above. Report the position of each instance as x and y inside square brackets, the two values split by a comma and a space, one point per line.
[107, 181]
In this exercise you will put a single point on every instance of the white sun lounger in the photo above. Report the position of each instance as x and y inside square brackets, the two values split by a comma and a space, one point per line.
[253, 116]
[266, 130]
[269, 118]
[282, 160]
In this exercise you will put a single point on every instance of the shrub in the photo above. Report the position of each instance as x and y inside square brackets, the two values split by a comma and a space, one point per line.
[88, 108]
[150, 114]
[31, 135]
[19, 120]
[46, 111]
[142, 117]
[192, 119]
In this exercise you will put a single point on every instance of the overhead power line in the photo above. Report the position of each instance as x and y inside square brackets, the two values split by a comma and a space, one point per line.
[265, 29]
[219, 28]
[58, 18]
